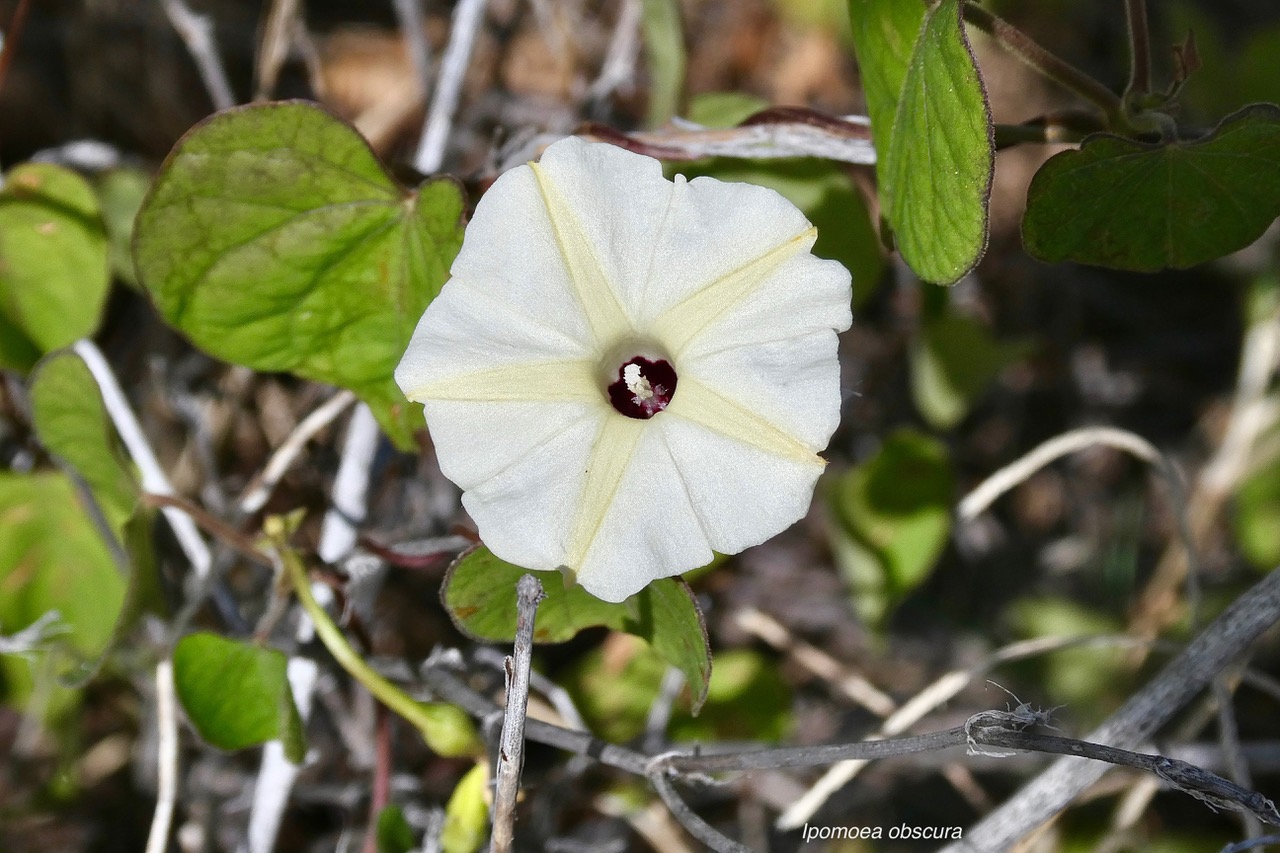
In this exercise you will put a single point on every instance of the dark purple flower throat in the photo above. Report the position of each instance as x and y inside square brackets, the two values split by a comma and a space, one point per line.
[643, 387]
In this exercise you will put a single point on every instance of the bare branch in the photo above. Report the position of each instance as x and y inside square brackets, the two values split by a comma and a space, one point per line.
[259, 490]
[413, 26]
[448, 687]
[619, 67]
[1224, 639]
[696, 826]
[1018, 471]
[167, 760]
[277, 773]
[511, 749]
[192, 544]
[468, 15]
[851, 684]
[196, 32]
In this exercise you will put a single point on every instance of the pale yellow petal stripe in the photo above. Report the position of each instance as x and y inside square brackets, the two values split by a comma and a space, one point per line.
[606, 466]
[681, 322]
[595, 293]
[696, 402]
[548, 382]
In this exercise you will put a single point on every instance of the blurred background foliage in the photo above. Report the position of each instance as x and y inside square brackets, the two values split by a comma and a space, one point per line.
[941, 387]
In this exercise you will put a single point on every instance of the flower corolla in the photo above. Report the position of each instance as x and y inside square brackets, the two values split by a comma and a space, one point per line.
[625, 373]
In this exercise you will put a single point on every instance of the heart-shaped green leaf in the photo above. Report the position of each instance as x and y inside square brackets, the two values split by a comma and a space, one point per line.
[466, 815]
[54, 567]
[52, 558]
[953, 360]
[932, 128]
[236, 694]
[274, 238]
[1131, 205]
[120, 192]
[894, 514]
[71, 422]
[480, 594]
[53, 260]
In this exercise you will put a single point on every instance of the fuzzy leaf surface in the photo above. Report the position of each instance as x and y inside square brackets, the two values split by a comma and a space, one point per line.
[936, 160]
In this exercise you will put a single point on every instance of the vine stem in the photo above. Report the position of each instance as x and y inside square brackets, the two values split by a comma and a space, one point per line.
[1139, 49]
[347, 504]
[1050, 65]
[382, 689]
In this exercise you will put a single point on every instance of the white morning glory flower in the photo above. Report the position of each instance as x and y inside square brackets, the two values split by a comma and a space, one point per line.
[625, 373]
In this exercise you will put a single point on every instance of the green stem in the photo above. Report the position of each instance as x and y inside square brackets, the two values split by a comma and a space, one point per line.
[333, 639]
[1056, 69]
[1069, 127]
[1139, 49]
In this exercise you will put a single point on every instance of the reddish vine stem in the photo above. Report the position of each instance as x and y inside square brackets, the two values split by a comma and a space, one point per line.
[381, 794]
[1048, 64]
[211, 524]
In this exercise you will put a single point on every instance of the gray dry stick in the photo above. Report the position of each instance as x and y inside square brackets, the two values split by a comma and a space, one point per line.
[511, 746]
[1187, 674]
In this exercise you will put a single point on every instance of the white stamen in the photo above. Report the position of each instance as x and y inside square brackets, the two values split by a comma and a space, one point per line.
[636, 383]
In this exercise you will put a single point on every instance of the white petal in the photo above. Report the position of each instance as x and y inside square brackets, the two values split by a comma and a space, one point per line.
[621, 201]
[525, 509]
[743, 495]
[650, 531]
[466, 331]
[698, 403]
[712, 230]
[477, 441]
[561, 260]
[775, 351]
[802, 295]
[793, 384]
[511, 253]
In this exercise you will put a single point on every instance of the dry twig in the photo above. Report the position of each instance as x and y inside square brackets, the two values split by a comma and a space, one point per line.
[1190, 672]
[511, 749]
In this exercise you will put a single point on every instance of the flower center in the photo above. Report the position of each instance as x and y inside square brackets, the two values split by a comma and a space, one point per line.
[643, 388]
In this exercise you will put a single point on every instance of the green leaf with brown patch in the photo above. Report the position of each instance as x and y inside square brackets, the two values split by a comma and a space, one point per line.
[53, 262]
